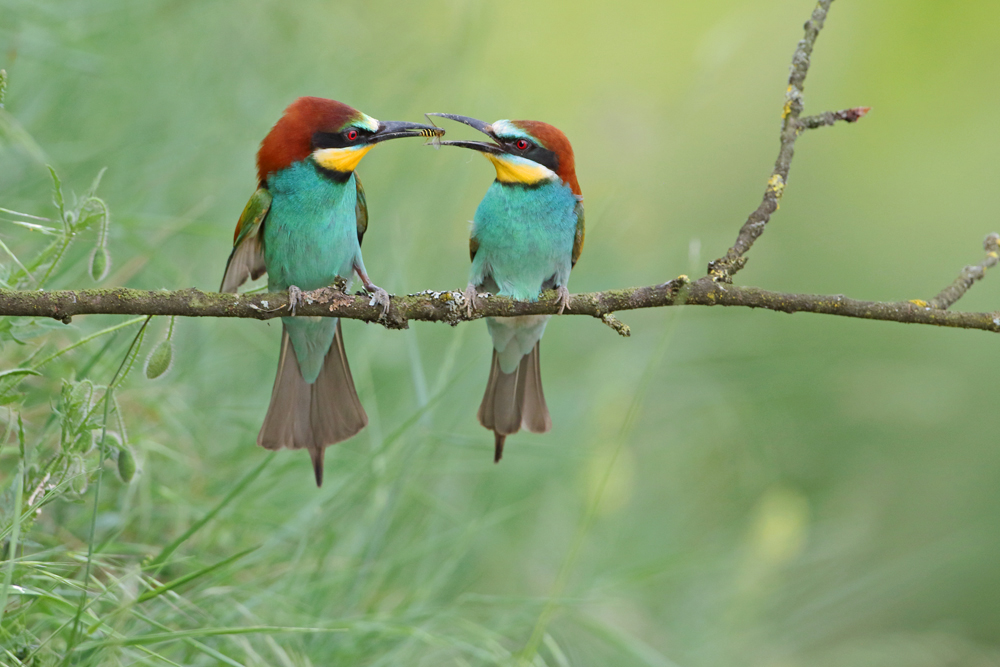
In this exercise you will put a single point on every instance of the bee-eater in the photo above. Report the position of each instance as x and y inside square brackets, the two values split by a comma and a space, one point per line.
[303, 227]
[526, 237]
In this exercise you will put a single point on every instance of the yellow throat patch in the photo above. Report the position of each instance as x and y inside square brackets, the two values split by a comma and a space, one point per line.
[340, 159]
[518, 170]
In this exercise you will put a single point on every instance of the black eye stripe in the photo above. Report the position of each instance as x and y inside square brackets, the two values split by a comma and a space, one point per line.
[338, 139]
[533, 152]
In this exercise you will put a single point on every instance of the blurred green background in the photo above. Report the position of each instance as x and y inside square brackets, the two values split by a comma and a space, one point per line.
[780, 490]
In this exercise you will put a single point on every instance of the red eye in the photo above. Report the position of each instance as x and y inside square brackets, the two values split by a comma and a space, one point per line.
[521, 144]
[352, 135]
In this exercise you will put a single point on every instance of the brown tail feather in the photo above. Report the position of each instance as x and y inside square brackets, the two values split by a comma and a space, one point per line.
[535, 413]
[316, 454]
[514, 400]
[312, 416]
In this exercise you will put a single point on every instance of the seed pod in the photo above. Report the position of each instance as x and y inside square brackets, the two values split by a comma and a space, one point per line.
[126, 464]
[100, 262]
[159, 359]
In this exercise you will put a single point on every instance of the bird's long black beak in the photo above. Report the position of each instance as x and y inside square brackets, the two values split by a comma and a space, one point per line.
[396, 129]
[482, 126]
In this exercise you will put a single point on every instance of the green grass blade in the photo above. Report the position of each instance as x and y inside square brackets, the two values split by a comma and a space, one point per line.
[9, 574]
[197, 525]
[24, 215]
[42, 229]
[87, 339]
[3, 246]
[193, 643]
[108, 393]
[18, 371]
[530, 650]
[177, 635]
[88, 366]
[159, 657]
[160, 590]
[628, 644]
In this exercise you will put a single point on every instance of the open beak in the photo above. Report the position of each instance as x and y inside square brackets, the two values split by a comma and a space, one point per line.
[483, 127]
[396, 129]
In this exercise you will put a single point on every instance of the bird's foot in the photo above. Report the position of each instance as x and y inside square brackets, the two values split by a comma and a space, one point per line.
[562, 298]
[471, 295]
[294, 298]
[380, 297]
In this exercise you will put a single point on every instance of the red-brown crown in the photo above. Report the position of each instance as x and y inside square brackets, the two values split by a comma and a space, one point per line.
[290, 140]
[553, 139]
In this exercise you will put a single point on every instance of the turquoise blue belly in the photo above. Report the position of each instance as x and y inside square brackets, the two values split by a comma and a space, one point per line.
[525, 238]
[310, 235]
[310, 238]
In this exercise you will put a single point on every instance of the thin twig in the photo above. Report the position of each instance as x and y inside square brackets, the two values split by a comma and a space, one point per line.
[723, 269]
[616, 324]
[828, 118]
[969, 275]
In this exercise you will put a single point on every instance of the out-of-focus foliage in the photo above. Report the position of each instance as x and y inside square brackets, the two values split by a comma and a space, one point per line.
[725, 487]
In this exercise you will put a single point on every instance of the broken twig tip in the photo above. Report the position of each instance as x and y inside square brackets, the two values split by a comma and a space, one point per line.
[856, 114]
[616, 324]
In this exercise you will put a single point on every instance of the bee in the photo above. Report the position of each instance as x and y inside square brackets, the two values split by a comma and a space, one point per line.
[435, 134]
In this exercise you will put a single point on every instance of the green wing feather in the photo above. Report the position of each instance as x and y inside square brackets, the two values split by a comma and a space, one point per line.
[247, 258]
[361, 208]
[578, 239]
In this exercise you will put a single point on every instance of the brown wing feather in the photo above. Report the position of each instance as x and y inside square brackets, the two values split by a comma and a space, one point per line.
[580, 233]
[245, 261]
[247, 258]
[361, 209]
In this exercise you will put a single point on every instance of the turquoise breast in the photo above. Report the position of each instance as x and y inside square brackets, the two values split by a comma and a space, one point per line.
[525, 237]
[311, 234]
[310, 238]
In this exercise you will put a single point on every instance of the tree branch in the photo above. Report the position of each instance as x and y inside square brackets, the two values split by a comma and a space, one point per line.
[449, 306]
[714, 289]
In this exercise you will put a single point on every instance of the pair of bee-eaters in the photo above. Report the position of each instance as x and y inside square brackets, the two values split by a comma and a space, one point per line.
[303, 227]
